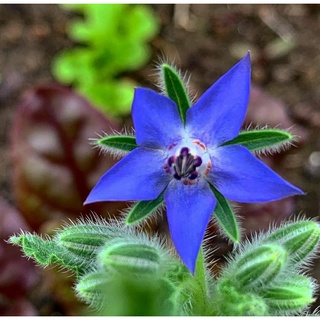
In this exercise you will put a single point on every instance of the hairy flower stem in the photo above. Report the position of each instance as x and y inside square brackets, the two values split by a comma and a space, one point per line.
[200, 292]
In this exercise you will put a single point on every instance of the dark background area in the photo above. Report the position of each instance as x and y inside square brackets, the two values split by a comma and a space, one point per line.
[204, 40]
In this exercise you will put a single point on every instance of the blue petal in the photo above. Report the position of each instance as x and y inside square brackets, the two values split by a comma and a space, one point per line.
[218, 114]
[240, 176]
[188, 210]
[156, 119]
[138, 176]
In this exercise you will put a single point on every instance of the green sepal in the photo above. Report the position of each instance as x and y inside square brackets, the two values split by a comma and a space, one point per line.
[256, 140]
[142, 209]
[176, 90]
[46, 252]
[225, 216]
[122, 143]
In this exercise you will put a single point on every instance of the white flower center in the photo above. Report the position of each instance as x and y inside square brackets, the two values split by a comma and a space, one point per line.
[188, 161]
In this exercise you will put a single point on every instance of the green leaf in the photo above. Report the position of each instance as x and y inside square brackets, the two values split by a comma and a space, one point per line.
[142, 23]
[110, 96]
[260, 139]
[143, 209]
[94, 67]
[176, 90]
[123, 143]
[74, 67]
[225, 216]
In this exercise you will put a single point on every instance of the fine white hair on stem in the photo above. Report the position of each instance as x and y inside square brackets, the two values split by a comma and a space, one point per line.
[208, 251]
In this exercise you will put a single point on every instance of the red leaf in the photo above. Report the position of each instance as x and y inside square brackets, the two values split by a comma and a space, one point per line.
[17, 274]
[54, 165]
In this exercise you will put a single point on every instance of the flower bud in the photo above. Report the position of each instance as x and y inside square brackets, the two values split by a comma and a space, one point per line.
[259, 265]
[125, 255]
[90, 287]
[289, 296]
[84, 240]
[300, 238]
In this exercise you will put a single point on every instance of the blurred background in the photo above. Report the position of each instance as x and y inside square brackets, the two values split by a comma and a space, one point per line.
[67, 74]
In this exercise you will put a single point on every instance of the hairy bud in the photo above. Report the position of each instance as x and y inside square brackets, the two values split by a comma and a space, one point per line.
[125, 255]
[259, 265]
[289, 296]
[300, 239]
[85, 239]
[90, 287]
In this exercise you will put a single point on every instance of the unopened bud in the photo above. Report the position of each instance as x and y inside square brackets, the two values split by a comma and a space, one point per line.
[289, 296]
[125, 255]
[90, 287]
[259, 265]
[84, 240]
[300, 238]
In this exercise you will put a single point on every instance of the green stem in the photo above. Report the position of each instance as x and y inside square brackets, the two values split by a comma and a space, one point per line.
[200, 292]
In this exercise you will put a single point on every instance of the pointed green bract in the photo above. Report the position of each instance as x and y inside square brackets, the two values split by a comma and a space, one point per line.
[46, 252]
[143, 209]
[256, 140]
[176, 90]
[225, 216]
[122, 143]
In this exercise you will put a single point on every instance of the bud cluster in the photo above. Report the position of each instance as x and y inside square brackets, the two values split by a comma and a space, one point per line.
[266, 277]
[129, 273]
[113, 253]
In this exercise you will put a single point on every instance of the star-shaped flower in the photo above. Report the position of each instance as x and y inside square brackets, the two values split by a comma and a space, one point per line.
[184, 161]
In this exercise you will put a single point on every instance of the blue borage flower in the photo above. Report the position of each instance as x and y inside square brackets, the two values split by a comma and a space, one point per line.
[184, 160]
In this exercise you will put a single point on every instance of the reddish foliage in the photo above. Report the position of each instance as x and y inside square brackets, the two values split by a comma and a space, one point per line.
[17, 274]
[54, 165]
